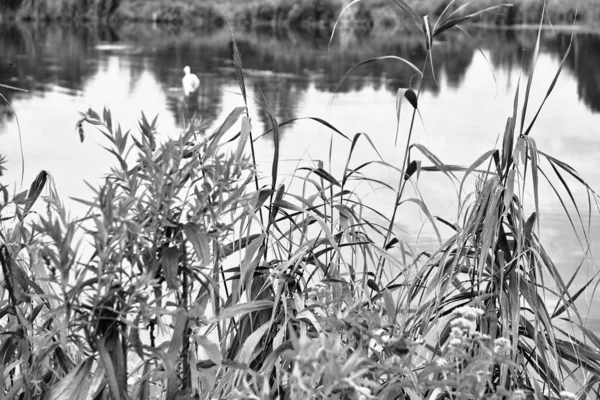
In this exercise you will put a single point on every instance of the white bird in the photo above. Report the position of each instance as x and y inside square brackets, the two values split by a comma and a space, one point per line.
[190, 82]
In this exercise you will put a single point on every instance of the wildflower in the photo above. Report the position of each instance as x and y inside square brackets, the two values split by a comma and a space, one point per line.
[456, 331]
[440, 362]
[466, 325]
[456, 342]
[469, 312]
[394, 360]
[502, 347]
[362, 392]
[567, 395]
[385, 338]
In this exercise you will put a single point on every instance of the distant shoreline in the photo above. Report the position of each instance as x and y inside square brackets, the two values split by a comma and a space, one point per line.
[379, 15]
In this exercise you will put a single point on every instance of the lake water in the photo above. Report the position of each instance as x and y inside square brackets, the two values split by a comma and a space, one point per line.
[138, 68]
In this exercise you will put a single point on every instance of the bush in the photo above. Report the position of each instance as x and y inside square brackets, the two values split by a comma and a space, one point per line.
[314, 12]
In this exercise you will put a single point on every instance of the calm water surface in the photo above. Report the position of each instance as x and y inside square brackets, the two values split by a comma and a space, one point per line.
[139, 68]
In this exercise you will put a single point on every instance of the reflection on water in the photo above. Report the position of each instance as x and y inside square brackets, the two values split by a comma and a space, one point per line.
[134, 68]
[282, 64]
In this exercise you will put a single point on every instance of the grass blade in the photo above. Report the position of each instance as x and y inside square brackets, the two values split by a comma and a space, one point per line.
[411, 12]
[370, 60]
[532, 69]
[337, 21]
[560, 67]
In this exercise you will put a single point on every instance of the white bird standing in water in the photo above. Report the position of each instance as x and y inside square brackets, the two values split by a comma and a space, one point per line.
[190, 82]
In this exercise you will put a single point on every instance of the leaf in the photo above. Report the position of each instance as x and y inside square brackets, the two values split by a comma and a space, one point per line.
[244, 135]
[427, 31]
[510, 189]
[411, 12]
[145, 390]
[472, 168]
[373, 285]
[370, 60]
[411, 169]
[237, 63]
[35, 190]
[528, 229]
[560, 67]
[338, 20]
[74, 385]
[216, 137]
[319, 120]
[507, 142]
[107, 118]
[200, 242]
[440, 166]
[169, 372]
[169, 259]
[239, 244]
[389, 305]
[451, 22]
[176, 343]
[134, 337]
[532, 69]
[13, 88]
[534, 156]
[425, 209]
[211, 349]
[570, 302]
[391, 243]
[241, 309]
[248, 265]
[323, 174]
[107, 363]
[245, 355]
[352, 148]
[275, 161]
[409, 95]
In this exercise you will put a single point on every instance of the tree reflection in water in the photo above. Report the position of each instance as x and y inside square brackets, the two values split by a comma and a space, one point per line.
[281, 64]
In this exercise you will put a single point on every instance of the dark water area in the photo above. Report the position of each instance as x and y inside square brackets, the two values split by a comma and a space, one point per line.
[136, 68]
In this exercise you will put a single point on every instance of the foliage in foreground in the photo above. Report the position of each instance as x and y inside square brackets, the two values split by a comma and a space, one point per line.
[193, 277]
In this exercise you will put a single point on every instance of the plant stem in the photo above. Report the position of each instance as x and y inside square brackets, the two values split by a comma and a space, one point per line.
[402, 182]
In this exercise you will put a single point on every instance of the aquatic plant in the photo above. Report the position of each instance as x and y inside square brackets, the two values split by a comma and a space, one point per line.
[192, 276]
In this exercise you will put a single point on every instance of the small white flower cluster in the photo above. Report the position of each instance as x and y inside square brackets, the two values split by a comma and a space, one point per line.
[464, 326]
[520, 394]
[469, 312]
[320, 292]
[502, 347]
[567, 395]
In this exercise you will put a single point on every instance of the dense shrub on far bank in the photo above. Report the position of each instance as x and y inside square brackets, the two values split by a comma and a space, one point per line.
[290, 13]
[176, 12]
[380, 14]
[250, 13]
[59, 9]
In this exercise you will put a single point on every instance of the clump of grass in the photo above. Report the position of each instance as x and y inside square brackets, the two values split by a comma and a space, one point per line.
[193, 277]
